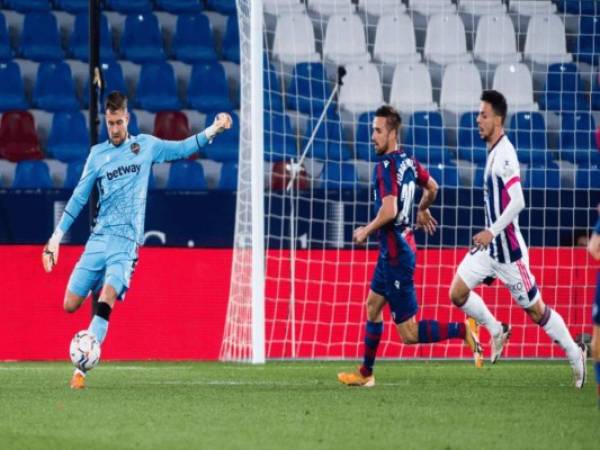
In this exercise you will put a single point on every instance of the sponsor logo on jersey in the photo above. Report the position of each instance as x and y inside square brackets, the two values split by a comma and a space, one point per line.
[135, 148]
[123, 170]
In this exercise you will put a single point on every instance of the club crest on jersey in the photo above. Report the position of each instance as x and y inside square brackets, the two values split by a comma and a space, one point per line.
[135, 148]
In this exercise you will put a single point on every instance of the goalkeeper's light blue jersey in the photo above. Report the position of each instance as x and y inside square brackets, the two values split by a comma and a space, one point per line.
[121, 174]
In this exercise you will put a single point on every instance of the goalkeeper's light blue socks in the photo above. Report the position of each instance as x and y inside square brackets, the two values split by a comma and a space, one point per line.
[597, 370]
[99, 323]
[435, 331]
[372, 338]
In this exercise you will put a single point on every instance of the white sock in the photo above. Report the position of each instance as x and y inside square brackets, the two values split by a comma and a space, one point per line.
[556, 328]
[477, 309]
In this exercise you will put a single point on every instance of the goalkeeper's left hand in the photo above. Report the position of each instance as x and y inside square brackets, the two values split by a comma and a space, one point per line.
[50, 254]
[222, 122]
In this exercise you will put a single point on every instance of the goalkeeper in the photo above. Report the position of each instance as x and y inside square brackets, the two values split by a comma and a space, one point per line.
[121, 168]
[594, 249]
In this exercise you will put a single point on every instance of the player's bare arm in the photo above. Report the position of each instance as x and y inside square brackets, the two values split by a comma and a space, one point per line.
[425, 219]
[387, 212]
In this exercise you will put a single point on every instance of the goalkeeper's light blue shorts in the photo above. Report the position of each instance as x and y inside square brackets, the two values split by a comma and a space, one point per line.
[596, 305]
[106, 260]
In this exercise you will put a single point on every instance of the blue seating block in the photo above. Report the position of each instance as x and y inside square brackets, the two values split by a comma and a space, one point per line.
[231, 41]
[180, 6]
[186, 175]
[79, 45]
[309, 89]
[157, 89]
[141, 41]
[208, 89]
[74, 171]
[12, 91]
[32, 175]
[339, 175]
[229, 177]
[39, 38]
[54, 88]
[193, 41]
[69, 139]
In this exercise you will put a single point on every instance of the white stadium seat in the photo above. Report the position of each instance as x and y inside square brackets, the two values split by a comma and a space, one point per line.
[481, 7]
[294, 39]
[361, 90]
[326, 8]
[546, 42]
[430, 7]
[445, 41]
[495, 42]
[345, 41]
[381, 8]
[461, 88]
[514, 81]
[411, 89]
[395, 40]
[278, 7]
[532, 7]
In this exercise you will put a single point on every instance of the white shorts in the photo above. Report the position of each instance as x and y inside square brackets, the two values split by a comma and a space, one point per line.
[479, 267]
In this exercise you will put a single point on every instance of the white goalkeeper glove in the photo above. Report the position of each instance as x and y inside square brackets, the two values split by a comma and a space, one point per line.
[50, 252]
[222, 122]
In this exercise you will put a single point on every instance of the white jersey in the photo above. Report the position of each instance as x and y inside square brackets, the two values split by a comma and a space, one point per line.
[501, 172]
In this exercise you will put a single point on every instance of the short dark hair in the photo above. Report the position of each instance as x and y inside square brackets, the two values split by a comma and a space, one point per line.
[393, 120]
[116, 101]
[497, 101]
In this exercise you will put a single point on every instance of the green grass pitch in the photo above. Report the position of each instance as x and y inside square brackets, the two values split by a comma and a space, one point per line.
[297, 405]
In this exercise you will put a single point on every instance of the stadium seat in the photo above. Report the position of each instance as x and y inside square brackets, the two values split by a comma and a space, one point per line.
[336, 175]
[329, 142]
[446, 41]
[495, 41]
[74, 171]
[281, 175]
[461, 88]
[12, 91]
[79, 42]
[193, 41]
[141, 41]
[326, 8]
[587, 178]
[528, 135]
[425, 138]
[6, 52]
[595, 102]
[129, 6]
[565, 90]
[588, 40]
[132, 128]
[40, 40]
[208, 90]
[309, 89]
[381, 8]
[272, 98]
[229, 177]
[470, 145]
[362, 90]
[32, 175]
[481, 7]
[231, 40]
[226, 147]
[27, 6]
[363, 145]
[18, 139]
[579, 7]
[72, 6]
[532, 7]
[411, 88]
[279, 138]
[514, 81]
[171, 126]
[186, 175]
[226, 7]
[446, 175]
[546, 42]
[281, 7]
[54, 88]
[577, 141]
[180, 6]
[294, 40]
[345, 41]
[69, 138]
[157, 89]
[112, 76]
[543, 177]
[395, 40]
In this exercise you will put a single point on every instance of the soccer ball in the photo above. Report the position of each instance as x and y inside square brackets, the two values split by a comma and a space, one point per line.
[85, 350]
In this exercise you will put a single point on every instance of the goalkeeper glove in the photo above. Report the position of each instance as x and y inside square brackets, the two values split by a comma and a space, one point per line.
[222, 122]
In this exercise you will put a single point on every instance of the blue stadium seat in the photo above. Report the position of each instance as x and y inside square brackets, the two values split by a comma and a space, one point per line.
[193, 41]
[231, 41]
[596, 93]
[336, 175]
[226, 7]
[6, 52]
[132, 128]
[279, 138]
[577, 141]
[565, 90]
[180, 6]
[208, 90]
[579, 7]
[186, 175]
[74, 171]
[72, 6]
[588, 40]
[157, 89]
[12, 91]
[272, 98]
[425, 138]
[543, 177]
[470, 145]
[79, 42]
[54, 88]
[112, 75]
[141, 41]
[32, 175]
[478, 176]
[363, 146]
[587, 178]
[309, 88]
[225, 147]
[329, 140]
[528, 135]
[69, 139]
[129, 6]
[229, 177]
[445, 175]
[26, 6]
[40, 40]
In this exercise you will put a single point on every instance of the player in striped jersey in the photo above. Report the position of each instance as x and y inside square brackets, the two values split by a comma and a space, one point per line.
[594, 249]
[499, 251]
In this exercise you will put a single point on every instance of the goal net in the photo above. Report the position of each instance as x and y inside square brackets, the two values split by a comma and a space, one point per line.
[430, 60]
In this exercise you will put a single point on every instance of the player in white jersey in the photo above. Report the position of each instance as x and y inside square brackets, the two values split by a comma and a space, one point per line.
[499, 251]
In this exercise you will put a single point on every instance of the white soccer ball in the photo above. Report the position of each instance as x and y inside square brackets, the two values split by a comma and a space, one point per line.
[85, 350]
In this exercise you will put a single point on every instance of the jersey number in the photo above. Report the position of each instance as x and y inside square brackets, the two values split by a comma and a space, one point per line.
[407, 195]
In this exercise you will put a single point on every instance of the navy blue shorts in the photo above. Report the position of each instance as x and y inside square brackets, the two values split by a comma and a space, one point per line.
[596, 305]
[394, 280]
